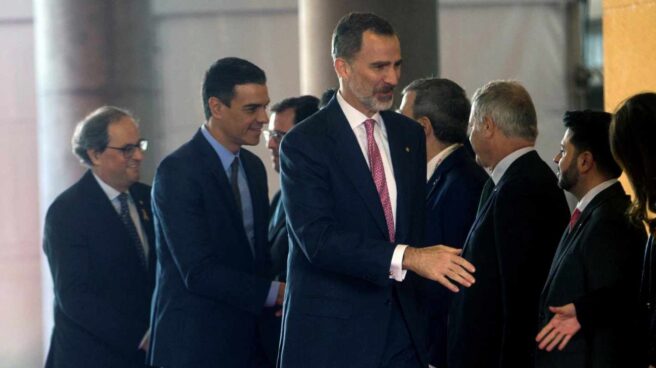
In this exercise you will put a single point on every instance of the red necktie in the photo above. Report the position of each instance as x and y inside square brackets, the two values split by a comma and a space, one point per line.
[378, 174]
[575, 217]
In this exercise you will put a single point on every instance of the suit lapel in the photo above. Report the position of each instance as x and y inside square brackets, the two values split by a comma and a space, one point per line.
[349, 158]
[570, 238]
[211, 162]
[401, 155]
[258, 195]
[99, 203]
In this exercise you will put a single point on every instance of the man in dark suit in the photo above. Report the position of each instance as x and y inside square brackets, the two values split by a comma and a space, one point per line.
[353, 178]
[284, 115]
[211, 207]
[588, 307]
[98, 238]
[453, 188]
[512, 239]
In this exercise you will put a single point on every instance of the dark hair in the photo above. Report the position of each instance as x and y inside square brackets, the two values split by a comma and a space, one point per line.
[632, 141]
[326, 96]
[91, 132]
[347, 36]
[590, 133]
[303, 106]
[222, 77]
[445, 104]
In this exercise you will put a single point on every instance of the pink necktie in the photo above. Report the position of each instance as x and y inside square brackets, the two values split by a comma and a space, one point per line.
[378, 173]
[575, 217]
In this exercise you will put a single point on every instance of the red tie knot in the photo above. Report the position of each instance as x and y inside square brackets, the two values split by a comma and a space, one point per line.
[575, 217]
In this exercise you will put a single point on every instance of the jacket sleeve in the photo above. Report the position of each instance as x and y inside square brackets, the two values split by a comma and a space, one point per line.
[180, 212]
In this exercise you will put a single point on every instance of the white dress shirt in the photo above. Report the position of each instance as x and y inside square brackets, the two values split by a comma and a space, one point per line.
[356, 120]
[434, 162]
[592, 193]
[112, 195]
[504, 164]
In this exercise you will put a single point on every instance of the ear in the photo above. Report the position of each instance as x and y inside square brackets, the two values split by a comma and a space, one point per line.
[425, 123]
[342, 67]
[585, 162]
[216, 107]
[488, 127]
[94, 156]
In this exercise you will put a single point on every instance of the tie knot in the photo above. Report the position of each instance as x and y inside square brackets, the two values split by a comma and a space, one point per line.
[575, 217]
[369, 126]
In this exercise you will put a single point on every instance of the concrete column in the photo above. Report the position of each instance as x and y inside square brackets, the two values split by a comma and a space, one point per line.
[88, 54]
[414, 21]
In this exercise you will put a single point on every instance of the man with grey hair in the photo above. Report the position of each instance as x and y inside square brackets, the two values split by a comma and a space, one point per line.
[353, 179]
[453, 185]
[98, 238]
[512, 241]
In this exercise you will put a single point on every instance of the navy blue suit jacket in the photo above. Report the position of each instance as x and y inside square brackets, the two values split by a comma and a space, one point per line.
[102, 289]
[453, 192]
[339, 295]
[211, 288]
[511, 243]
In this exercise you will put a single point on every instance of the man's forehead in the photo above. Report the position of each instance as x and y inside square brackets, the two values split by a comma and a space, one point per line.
[251, 91]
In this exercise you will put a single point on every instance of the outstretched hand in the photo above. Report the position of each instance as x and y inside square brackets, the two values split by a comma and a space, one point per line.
[440, 263]
[560, 329]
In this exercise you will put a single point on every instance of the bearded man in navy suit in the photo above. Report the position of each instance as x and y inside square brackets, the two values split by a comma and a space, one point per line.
[353, 178]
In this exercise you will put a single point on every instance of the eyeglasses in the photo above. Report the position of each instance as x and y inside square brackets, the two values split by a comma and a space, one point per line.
[275, 134]
[129, 149]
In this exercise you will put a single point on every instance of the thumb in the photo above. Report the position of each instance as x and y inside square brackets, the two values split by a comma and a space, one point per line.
[556, 310]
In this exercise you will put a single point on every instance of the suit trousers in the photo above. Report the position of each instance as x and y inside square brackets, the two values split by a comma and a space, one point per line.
[399, 349]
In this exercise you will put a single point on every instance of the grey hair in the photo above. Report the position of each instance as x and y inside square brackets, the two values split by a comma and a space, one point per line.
[509, 105]
[91, 132]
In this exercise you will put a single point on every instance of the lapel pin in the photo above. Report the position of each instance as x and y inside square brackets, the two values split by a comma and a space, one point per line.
[144, 215]
[407, 149]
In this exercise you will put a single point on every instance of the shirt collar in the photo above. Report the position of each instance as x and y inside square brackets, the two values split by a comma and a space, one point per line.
[109, 191]
[354, 116]
[224, 154]
[592, 193]
[505, 163]
[439, 158]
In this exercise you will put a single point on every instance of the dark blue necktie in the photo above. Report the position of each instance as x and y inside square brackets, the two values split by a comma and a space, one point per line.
[132, 230]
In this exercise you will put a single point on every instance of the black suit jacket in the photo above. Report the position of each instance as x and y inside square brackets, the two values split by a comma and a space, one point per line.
[102, 289]
[597, 267]
[453, 192]
[511, 243]
[339, 303]
[211, 288]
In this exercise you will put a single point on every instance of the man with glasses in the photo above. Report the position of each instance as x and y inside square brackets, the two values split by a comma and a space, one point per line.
[284, 115]
[98, 238]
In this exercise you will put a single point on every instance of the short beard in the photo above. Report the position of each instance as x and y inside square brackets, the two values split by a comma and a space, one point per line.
[569, 178]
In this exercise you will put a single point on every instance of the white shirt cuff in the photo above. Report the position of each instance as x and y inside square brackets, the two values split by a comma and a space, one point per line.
[273, 294]
[396, 268]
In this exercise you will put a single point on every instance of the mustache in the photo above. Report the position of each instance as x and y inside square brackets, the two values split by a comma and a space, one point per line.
[385, 89]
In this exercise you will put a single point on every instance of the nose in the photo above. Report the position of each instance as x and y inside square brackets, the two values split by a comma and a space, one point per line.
[392, 76]
[272, 144]
[557, 158]
[262, 116]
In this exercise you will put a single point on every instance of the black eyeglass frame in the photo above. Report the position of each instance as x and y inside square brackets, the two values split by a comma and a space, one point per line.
[129, 149]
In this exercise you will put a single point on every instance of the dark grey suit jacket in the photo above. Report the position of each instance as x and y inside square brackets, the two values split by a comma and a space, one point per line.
[511, 243]
[597, 267]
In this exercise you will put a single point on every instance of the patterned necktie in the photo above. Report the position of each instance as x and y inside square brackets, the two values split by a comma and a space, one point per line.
[132, 230]
[234, 183]
[378, 174]
[575, 217]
